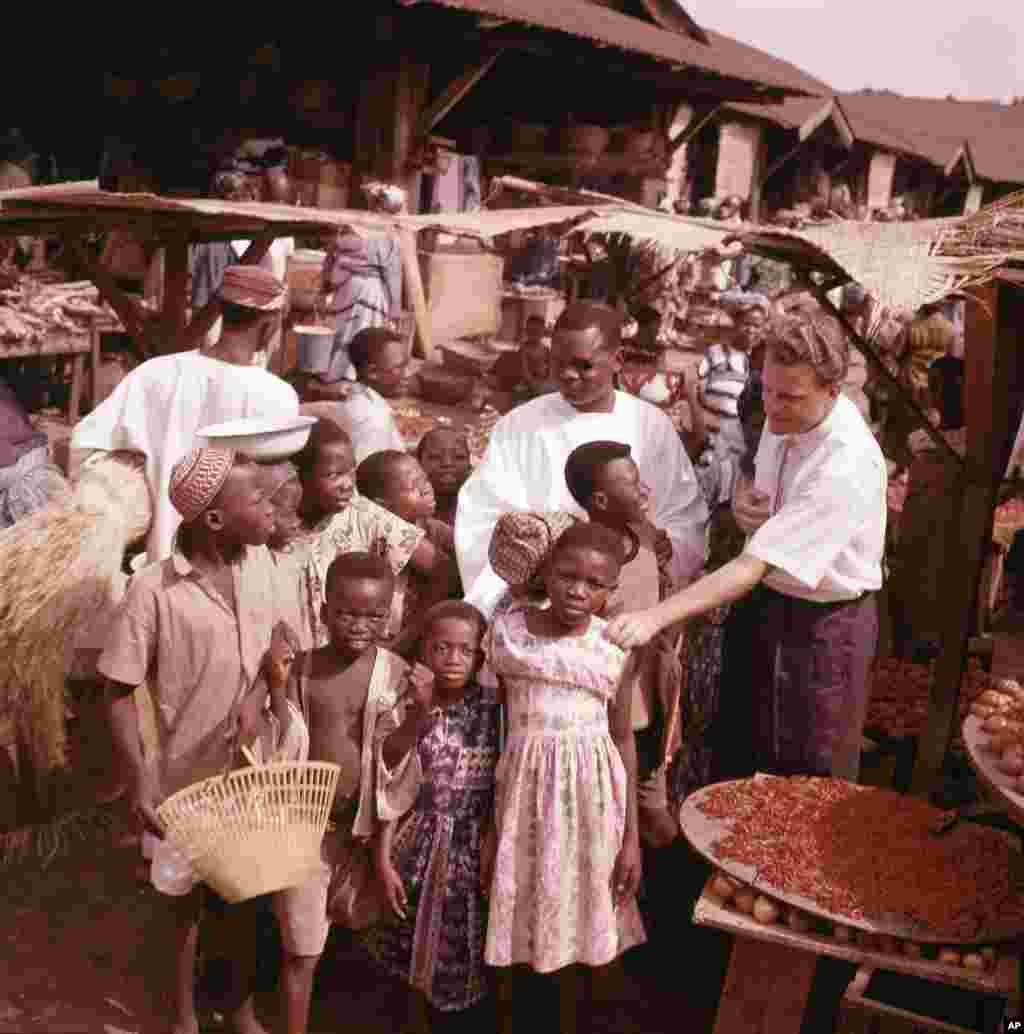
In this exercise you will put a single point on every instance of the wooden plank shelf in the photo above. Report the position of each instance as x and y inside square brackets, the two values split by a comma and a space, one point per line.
[1002, 979]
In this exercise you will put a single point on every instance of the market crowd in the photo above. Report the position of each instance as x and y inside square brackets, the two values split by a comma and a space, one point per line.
[521, 669]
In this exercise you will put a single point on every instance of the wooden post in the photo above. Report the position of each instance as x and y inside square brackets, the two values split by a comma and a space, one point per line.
[414, 287]
[995, 372]
[766, 989]
[175, 310]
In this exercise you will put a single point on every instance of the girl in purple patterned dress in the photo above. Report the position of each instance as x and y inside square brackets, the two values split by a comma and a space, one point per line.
[429, 860]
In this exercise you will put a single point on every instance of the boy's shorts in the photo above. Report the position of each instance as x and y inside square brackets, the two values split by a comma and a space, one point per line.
[302, 911]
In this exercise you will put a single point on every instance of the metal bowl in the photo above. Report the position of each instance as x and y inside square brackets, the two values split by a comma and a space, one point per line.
[263, 440]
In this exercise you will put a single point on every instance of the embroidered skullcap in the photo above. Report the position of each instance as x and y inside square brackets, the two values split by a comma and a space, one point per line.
[521, 542]
[252, 288]
[197, 478]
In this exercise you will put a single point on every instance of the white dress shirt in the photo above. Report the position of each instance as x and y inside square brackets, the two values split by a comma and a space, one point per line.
[524, 469]
[157, 410]
[827, 490]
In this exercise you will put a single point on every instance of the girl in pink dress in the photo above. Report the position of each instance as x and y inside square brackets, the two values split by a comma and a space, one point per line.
[566, 856]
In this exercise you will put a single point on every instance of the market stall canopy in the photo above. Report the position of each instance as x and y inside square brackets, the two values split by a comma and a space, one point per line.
[903, 265]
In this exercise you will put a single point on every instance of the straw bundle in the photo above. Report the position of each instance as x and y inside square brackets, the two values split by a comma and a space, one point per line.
[996, 231]
[57, 569]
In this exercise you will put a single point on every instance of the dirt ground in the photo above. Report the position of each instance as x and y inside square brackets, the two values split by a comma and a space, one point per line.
[81, 953]
[81, 949]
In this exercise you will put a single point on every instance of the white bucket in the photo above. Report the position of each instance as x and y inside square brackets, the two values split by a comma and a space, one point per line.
[313, 346]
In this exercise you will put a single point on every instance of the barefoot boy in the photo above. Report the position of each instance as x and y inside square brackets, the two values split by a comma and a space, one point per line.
[196, 628]
[351, 695]
[603, 478]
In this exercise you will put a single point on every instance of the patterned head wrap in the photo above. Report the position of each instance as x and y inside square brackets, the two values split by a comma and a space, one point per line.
[197, 478]
[252, 288]
[521, 543]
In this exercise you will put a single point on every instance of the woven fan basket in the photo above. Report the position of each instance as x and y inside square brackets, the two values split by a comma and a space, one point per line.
[256, 830]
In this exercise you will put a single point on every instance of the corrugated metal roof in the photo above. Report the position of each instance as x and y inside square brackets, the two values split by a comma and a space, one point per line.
[723, 56]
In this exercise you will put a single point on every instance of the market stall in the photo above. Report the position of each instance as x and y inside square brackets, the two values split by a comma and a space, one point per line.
[821, 868]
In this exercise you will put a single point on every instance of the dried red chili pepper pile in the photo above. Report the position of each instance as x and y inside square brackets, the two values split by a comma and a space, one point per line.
[868, 853]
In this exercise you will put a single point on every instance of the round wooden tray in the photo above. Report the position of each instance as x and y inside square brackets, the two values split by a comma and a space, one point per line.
[703, 832]
[984, 764]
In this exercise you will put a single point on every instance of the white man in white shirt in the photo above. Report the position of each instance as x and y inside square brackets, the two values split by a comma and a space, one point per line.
[158, 408]
[811, 568]
[523, 468]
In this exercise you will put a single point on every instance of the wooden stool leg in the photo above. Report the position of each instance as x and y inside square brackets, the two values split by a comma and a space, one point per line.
[94, 335]
[765, 990]
[77, 383]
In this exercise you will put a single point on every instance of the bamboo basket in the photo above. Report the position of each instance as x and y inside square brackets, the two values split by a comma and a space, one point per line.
[256, 830]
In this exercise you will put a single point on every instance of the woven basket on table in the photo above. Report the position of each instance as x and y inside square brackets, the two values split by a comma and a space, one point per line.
[256, 830]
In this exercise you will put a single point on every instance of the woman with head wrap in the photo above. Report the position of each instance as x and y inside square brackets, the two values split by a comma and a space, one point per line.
[363, 279]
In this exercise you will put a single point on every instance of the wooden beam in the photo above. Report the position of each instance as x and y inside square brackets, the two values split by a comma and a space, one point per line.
[820, 291]
[784, 160]
[702, 115]
[123, 304]
[454, 93]
[995, 378]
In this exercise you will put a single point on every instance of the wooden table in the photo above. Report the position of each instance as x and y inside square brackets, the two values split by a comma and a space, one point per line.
[78, 347]
[772, 967]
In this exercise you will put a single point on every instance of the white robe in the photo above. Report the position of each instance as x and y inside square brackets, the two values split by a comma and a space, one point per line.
[370, 422]
[157, 410]
[524, 469]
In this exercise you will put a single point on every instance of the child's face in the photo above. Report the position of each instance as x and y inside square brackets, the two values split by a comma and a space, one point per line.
[242, 513]
[445, 461]
[749, 330]
[620, 496]
[286, 501]
[451, 650]
[356, 614]
[387, 371]
[333, 481]
[410, 494]
[579, 582]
